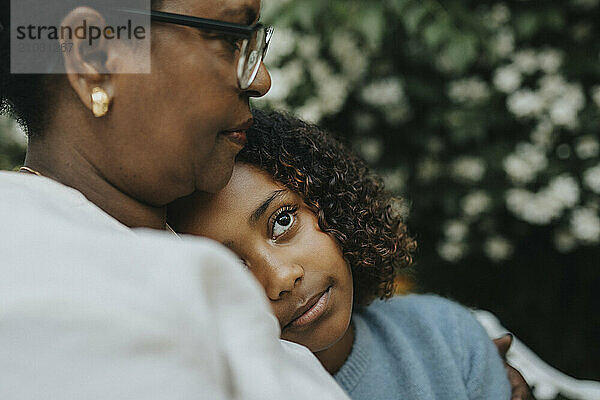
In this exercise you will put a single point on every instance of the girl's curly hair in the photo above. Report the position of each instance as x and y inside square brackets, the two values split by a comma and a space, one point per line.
[349, 201]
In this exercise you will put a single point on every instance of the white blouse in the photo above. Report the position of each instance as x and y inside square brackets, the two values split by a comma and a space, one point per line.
[90, 309]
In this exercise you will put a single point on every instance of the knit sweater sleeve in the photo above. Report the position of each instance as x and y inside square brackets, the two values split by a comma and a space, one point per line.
[483, 371]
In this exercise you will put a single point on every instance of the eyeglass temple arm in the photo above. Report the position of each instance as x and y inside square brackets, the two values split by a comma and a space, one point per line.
[196, 22]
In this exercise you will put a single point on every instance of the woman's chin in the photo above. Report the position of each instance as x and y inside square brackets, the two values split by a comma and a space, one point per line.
[214, 180]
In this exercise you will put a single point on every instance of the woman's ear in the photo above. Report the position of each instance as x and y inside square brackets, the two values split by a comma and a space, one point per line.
[88, 61]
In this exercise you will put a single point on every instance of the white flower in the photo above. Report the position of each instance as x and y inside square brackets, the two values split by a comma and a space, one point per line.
[527, 61]
[280, 88]
[348, 53]
[383, 93]
[507, 79]
[552, 87]
[285, 79]
[548, 204]
[587, 147]
[476, 203]
[591, 178]
[518, 200]
[543, 134]
[332, 89]
[566, 101]
[564, 113]
[333, 94]
[387, 95]
[564, 241]
[596, 95]
[311, 111]
[535, 208]
[504, 42]
[498, 248]
[12, 131]
[395, 180]
[564, 189]
[308, 47]
[499, 14]
[451, 251]
[518, 169]
[320, 71]
[527, 161]
[370, 149]
[282, 45]
[456, 230]
[525, 103]
[468, 168]
[469, 90]
[550, 60]
[585, 225]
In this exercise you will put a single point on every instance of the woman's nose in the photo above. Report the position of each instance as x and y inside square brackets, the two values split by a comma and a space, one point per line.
[261, 84]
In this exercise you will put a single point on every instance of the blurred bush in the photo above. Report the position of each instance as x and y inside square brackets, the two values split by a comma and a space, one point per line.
[12, 144]
[484, 116]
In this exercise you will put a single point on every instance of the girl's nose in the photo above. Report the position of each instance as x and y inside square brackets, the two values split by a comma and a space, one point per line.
[281, 279]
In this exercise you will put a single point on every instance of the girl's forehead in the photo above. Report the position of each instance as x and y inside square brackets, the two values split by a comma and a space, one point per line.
[236, 209]
[248, 184]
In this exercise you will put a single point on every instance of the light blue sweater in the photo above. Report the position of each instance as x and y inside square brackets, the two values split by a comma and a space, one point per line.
[421, 347]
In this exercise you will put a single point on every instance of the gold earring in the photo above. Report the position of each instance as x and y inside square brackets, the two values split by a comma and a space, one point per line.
[100, 102]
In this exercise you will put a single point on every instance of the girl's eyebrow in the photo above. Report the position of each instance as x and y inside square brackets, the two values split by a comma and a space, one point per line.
[260, 210]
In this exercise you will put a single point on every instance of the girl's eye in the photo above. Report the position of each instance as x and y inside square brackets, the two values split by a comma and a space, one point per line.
[283, 221]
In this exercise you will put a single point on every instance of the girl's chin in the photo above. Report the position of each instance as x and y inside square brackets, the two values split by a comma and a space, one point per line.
[315, 344]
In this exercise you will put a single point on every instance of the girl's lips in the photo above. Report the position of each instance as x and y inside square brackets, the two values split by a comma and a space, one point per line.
[313, 312]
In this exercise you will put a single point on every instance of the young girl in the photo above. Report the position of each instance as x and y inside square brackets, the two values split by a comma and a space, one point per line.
[317, 230]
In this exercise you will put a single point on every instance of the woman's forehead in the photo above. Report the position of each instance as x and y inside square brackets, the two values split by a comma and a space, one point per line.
[243, 12]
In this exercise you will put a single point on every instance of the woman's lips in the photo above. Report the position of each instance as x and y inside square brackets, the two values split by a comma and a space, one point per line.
[238, 137]
[237, 134]
[313, 312]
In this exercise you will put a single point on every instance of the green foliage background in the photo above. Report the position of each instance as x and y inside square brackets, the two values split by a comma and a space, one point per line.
[12, 144]
[484, 117]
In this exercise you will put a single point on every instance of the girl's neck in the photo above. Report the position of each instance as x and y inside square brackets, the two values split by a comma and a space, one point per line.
[68, 166]
[335, 356]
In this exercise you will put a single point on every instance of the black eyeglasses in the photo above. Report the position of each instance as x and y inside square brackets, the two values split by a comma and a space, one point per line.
[256, 39]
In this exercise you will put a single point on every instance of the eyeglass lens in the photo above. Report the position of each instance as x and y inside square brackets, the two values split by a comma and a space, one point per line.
[254, 55]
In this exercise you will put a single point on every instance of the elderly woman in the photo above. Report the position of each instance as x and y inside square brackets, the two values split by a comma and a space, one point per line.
[90, 309]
